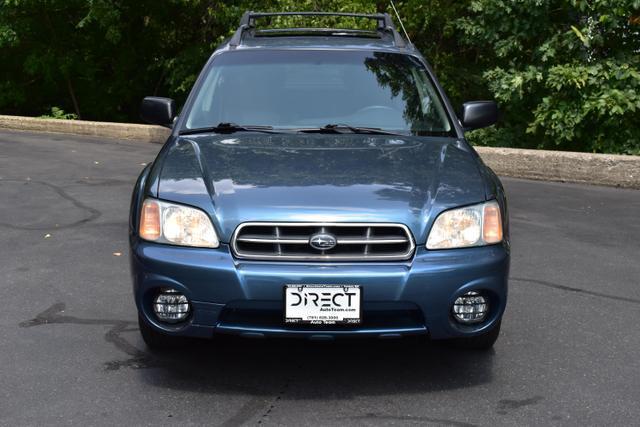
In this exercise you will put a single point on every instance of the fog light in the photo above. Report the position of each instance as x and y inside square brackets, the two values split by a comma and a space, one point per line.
[471, 308]
[171, 306]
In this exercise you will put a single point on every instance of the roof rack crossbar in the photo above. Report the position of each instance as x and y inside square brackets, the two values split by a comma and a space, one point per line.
[313, 30]
[385, 23]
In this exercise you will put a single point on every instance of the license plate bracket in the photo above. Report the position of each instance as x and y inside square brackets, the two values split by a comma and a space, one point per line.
[323, 304]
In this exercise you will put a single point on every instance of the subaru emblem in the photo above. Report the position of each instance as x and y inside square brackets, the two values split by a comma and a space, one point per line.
[323, 241]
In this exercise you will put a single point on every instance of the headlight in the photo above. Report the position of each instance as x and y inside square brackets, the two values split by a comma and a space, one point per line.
[476, 225]
[165, 222]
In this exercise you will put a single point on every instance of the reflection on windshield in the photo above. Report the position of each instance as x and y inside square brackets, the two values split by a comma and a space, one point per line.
[305, 89]
[422, 109]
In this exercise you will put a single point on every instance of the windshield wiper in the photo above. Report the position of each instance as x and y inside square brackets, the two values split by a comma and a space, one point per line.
[343, 128]
[227, 127]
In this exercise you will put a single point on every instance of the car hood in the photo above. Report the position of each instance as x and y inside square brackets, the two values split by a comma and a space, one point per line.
[320, 178]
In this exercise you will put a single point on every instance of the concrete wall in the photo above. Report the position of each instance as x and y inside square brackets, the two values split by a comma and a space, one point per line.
[133, 132]
[602, 169]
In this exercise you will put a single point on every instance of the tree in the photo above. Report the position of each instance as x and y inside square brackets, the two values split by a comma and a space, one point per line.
[565, 71]
[98, 58]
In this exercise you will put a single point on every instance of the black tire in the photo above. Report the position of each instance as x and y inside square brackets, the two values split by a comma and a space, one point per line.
[155, 340]
[483, 341]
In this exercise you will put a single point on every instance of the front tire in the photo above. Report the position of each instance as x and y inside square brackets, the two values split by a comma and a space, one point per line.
[480, 342]
[155, 340]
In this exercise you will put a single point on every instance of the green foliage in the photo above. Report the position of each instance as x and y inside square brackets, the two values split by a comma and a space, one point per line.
[595, 103]
[58, 113]
[565, 72]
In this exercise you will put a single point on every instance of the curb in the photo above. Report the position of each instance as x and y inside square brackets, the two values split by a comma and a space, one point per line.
[586, 168]
[565, 166]
[131, 132]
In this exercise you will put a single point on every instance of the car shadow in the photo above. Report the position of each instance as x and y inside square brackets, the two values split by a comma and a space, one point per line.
[317, 370]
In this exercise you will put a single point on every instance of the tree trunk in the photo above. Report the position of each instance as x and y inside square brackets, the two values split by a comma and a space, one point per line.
[72, 94]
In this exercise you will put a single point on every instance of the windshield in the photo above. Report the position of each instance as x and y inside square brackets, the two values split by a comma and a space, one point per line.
[312, 89]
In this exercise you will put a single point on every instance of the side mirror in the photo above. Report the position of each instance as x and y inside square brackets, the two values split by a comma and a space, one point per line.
[158, 111]
[479, 114]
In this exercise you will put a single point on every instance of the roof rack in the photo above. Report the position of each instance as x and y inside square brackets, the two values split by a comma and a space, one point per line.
[385, 24]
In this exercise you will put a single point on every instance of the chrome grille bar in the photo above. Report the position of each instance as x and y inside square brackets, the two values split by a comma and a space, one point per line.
[353, 241]
[279, 244]
[276, 240]
[371, 241]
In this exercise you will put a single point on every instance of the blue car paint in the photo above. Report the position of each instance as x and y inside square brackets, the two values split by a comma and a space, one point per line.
[426, 176]
[332, 178]
[328, 178]
[212, 278]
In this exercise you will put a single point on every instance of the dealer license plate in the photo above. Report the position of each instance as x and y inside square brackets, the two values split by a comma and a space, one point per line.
[323, 304]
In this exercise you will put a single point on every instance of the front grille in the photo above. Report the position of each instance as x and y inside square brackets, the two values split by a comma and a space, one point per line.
[353, 242]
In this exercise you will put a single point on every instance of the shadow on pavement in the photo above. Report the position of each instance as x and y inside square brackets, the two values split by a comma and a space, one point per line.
[320, 370]
[270, 367]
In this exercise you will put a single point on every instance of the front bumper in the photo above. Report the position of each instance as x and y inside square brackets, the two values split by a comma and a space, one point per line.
[245, 297]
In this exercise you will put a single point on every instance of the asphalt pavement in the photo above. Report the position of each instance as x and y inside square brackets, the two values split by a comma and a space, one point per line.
[71, 354]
